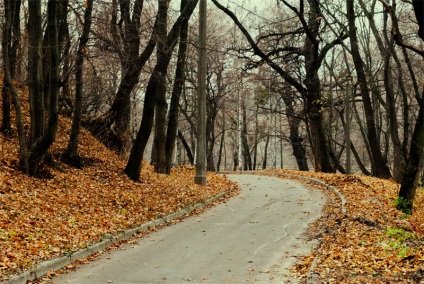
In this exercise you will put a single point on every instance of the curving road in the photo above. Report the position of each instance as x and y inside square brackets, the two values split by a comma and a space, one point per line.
[253, 237]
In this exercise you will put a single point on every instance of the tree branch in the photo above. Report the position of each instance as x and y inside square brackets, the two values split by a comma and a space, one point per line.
[257, 51]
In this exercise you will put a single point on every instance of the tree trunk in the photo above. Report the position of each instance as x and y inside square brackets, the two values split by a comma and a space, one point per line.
[176, 94]
[186, 147]
[386, 52]
[41, 145]
[221, 147]
[255, 149]
[71, 155]
[211, 108]
[34, 70]
[419, 15]
[8, 84]
[65, 102]
[265, 152]
[137, 151]
[416, 154]
[296, 141]
[319, 141]
[161, 105]
[381, 168]
[10, 45]
[414, 164]
[246, 151]
[113, 128]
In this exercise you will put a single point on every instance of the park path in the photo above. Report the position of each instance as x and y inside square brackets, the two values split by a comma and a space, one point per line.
[253, 237]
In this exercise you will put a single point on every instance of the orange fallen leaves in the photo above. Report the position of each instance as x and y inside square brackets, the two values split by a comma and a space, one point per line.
[374, 242]
[45, 218]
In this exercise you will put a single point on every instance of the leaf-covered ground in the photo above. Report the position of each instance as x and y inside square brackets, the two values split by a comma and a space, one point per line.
[373, 242]
[42, 219]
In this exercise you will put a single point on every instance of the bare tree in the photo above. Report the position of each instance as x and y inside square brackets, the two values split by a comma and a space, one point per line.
[415, 159]
[156, 88]
[71, 155]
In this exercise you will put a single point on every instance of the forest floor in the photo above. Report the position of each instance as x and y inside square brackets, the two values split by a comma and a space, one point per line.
[372, 242]
[41, 219]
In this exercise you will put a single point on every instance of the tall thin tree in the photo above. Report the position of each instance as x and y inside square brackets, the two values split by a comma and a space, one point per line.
[71, 153]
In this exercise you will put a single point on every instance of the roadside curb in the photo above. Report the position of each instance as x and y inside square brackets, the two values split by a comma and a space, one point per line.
[310, 274]
[319, 182]
[41, 269]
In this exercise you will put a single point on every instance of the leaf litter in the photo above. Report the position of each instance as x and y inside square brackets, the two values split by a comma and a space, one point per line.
[41, 219]
[372, 243]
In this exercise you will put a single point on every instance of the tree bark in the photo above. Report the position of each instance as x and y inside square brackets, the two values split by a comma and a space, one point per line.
[137, 151]
[10, 45]
[112, 128]
[161, 105]
[381, 168]
[8, 84]
[34, 70]
[313, 98]
[176, 94]
[186, 147]
[71, 155]
[266, 152]
[221, 147]
[246, 150]
[41, 145]
[414, 164]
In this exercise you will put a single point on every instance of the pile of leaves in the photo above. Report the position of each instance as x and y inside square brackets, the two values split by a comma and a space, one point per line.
[373, 242]
[42, 219]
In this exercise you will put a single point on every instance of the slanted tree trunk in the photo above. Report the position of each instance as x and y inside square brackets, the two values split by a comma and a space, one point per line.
[71, 155]
[113, 128]
[416, 150]
[411, 174]
[137, 151]
[221, 147]
[176, 94]
[381, 168]
[186, 147]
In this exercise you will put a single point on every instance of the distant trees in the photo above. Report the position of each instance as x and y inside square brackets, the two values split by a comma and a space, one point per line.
[281, 80]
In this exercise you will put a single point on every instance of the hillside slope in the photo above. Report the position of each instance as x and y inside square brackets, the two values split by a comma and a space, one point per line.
[44, 218]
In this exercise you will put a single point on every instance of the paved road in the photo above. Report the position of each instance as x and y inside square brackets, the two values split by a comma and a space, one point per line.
[251, 238]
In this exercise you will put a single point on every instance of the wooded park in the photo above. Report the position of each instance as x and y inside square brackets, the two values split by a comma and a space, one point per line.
[317, 86]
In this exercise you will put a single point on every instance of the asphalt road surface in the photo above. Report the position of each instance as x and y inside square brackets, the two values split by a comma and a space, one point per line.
[253, 237]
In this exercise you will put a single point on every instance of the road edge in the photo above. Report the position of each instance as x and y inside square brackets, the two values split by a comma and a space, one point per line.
[43, 268]
[310, 273]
